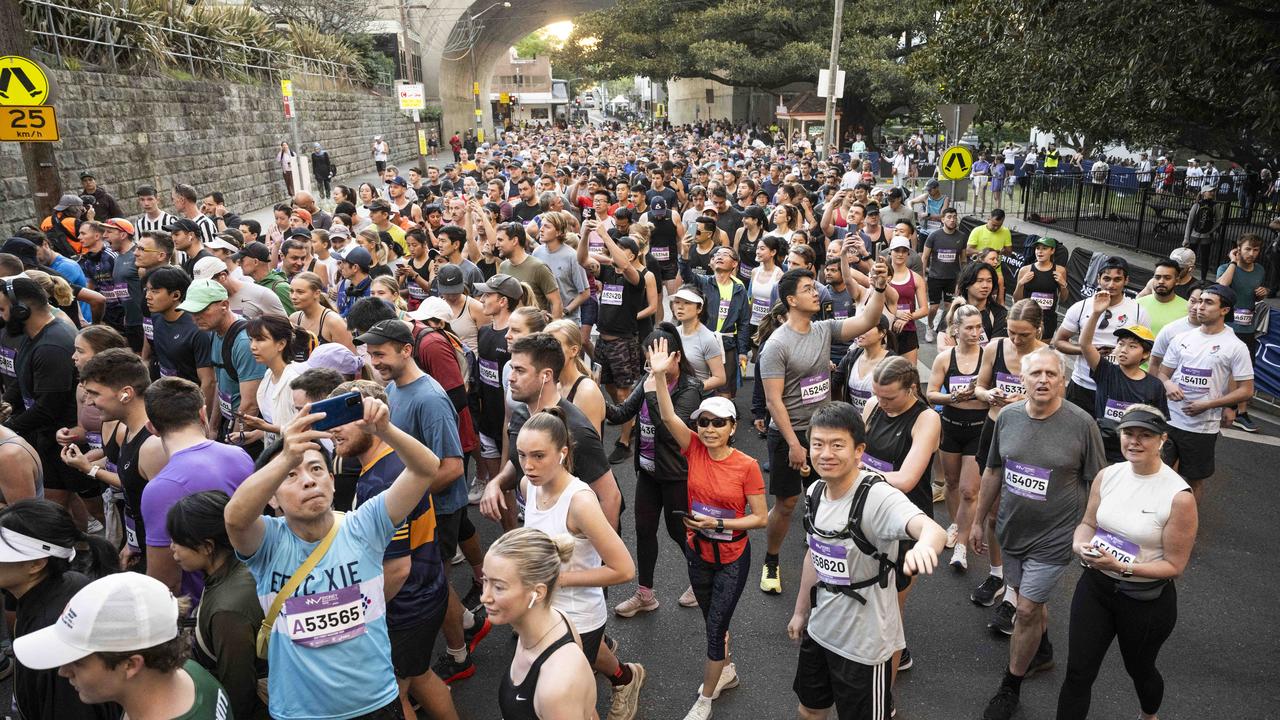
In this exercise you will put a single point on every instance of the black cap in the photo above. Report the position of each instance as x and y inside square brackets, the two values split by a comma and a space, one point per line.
[386, 331]
[182, 224]
[21, 248]
[86, 174]
[1226, 295]
[297, 233]
[255, 250]
[1154, 422]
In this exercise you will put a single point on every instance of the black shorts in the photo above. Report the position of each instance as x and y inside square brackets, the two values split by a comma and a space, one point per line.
[621, 362]
[58, 476]
[591, 644]
[962, 430]
[785, 481]
[984, 443]
[1082, 397]
[411, 647]
[589, 312]
[1193, 453]
[939, 289]
[908, 341]
[448, 527]
[668, 270]
[825, 679]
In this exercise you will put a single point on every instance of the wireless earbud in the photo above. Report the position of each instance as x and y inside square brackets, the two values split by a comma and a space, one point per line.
[124, 397]
[533, 598]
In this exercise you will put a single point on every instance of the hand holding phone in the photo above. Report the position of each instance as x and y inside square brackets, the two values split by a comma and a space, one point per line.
[340, 410]
[1091, 552]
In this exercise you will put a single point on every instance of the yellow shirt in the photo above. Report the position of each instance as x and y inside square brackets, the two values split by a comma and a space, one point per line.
[397, 234]
[982, 238]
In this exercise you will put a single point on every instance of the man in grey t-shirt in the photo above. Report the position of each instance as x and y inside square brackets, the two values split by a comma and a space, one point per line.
[1044, 454]
[562, 260]
[795, 370]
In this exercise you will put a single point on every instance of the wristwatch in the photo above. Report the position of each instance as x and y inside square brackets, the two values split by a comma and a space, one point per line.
[93, 471]
[1127, 571]
[864, 258]
[719, 524]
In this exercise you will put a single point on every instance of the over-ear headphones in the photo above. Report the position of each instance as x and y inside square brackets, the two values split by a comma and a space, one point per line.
[21, 312]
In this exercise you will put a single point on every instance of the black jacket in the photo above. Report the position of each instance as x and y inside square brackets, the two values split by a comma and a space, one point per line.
[321, 166]
[686, 397]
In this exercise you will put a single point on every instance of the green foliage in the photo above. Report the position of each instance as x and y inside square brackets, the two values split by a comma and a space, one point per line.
[1205, 76]
[534, 44]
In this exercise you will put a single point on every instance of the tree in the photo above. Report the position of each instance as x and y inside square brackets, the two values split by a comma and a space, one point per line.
[534, 44]
[334, 17]
[1203, 76]
[762, 45]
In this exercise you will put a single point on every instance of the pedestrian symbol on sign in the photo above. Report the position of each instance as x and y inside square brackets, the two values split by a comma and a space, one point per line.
[956, 163]
[22, 82]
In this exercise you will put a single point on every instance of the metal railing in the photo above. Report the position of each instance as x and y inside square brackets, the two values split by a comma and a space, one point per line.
[1121, 212]
[106, 43]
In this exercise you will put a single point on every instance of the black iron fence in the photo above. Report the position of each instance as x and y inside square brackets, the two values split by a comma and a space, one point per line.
[1122, 212]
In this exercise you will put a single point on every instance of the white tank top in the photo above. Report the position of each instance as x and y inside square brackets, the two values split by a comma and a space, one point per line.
[584, 605]
[860, 385]
[464, 326]
[1133, 512]
[762, 292]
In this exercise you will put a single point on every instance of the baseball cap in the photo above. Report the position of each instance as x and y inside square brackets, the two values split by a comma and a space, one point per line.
[688, 295]
[658, 208]
[503, 285]
[120, 224]
[255, 250]
[68, 201]
[123, 612]
[899, 242]
[1137, 418]
[433, 308]
[339, 231]
[380, 205]
[397, 180]
[23, 249]
[709, 205]
[386, 331]
[359, 257]
[896, 193]
[1047, 242]
[202, 293]
[304, 214]
[222, 242]
[1141, 333]
[16, 547]
[182, 224]
[86, 174]
[335, 356]
[298, 233]
[449, 280]
[716, 407]
[1227, 295]
[208, 268]
[933, 183]
[1185, 257]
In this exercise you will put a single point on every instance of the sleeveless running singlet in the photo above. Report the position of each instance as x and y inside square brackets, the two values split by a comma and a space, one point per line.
[889, 443]
[1007, 381]
[464, 326]
[36, 458]
[907, 299]
[516, 701]
[584, 606]
[126, 459]
[956, 379]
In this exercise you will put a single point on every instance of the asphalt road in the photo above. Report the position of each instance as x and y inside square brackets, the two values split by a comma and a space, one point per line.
[1220, 661]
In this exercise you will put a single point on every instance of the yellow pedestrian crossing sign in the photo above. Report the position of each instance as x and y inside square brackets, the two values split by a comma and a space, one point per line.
[956, 163]
[22, 82]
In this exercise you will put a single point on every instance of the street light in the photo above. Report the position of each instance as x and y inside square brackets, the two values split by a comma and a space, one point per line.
[463, 39]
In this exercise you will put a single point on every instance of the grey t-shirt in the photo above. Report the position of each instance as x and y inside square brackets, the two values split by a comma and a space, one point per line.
[571, 277]
[253, 300]
[945, 253]
[869, 634]
[804, 361]
[1045, 468]
[699, 347]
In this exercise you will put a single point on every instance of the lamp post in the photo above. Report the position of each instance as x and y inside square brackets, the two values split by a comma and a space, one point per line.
[828, 125]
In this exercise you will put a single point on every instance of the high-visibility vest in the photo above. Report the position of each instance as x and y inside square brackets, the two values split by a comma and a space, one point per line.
[1051, 159]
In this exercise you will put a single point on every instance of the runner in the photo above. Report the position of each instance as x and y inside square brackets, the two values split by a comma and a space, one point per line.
[855, 368]
[941, 260]
[846, 614]
[765, 276]
[1247, 280]
[662, 473]
[953, 385]
[1044, 282]
[516, 262]
[122, 619]
[1190, 322]
[526, 563]
[701, 347]
[795, 368]
[25, 475]
[315, 312]
[575, 379]
[912, 303]
[726, 494]
[1133, 552]
[180, 349]
[1163, 305]
[273, 341]
[726, 312]
[500, 295]
[1041, 491]
[993, 234]
[974, 286]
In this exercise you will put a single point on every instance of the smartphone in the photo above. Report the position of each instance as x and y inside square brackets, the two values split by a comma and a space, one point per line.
[682, 514]
[339, 410]
[588, 213]
[1091, 552]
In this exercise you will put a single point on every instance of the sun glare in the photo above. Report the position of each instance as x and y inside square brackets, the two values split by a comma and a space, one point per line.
[561, 30]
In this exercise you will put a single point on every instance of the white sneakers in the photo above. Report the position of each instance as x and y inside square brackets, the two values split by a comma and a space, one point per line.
[701, 709]
[953, 532]
[476, 493]
[728, 681]
[688, 599]
[960, 559]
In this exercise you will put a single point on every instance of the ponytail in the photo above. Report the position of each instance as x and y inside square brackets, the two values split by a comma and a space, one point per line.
[552, 421]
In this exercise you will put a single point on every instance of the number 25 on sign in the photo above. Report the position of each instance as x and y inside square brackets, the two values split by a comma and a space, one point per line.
[35, 123]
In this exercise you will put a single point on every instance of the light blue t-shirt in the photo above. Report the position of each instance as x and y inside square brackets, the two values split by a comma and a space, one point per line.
[423, 410]
[73, 273]
[246, 367]
[352, 675]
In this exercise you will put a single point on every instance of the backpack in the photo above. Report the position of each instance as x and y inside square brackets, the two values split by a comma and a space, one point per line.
[464, 355]
[228, 364]
[1205, 217]
[853, 531]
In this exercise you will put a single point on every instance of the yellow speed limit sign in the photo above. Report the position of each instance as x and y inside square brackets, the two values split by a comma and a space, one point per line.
[35, 123]
[22, 82]
[956, 163]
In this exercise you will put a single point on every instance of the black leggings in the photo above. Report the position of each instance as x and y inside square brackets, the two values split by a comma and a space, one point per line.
[717, 588]
[1100, 613]
[653, 498]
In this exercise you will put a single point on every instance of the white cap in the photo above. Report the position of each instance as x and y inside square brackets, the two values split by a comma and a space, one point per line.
[716, 406]
[220, 244]
[899, 242]
[207, 268]
[688, 295]
[16, 547]
[433, 308]
[124, 612]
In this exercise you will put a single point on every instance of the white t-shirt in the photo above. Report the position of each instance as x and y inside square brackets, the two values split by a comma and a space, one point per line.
[1010, 156]
[1203, 366]
[1168, 333]
[1126, 313]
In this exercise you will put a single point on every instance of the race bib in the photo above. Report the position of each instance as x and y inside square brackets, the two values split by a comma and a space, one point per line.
[7, 357]
[131, 533]
[830, 561]
[611, 295]
[956, 383]
[745, 272]
[714, 512]
[661, 254]
[326, 618]
[815, 388]
[758, 310]
[1026, 481]
[1114, 409]
[148, 328]
[94, 440]
[1119, 547]
[1044, 300]
[872, 462]
[1244, 316]
[947, 255]
[723, 311]
[489, 372]
[646, 454]
[167, 371]
[840, 314]
[224, 404]
[416, 292]
[1010, 384]
[596, 245]
[858, 399]
[1195, 380]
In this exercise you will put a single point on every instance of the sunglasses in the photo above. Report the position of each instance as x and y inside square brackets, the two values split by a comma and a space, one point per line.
[1106, 320]
[713, 422]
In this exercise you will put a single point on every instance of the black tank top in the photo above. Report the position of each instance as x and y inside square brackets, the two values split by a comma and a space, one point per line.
[125, 458]
[889, 443]
[1043, 289]
[961, 379]
[573, 389]
[491, 355]
[747, 251]
[516, 701]
[1002, 378]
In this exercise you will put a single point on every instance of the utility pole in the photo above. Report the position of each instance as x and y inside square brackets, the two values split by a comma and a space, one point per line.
[38, 159]
[418, 132]
[828, 126]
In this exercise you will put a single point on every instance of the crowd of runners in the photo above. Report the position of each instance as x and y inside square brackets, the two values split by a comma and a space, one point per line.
[245, 466]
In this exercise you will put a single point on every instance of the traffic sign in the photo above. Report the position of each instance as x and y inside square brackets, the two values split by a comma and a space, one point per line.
[824, 78]
[34, 123]
[22, 82]
[956, 163]
[286, 88]
[505, 99]
[412, 96]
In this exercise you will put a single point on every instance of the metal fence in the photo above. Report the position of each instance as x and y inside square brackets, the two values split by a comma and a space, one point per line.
[118, 43]
[1120, 212]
